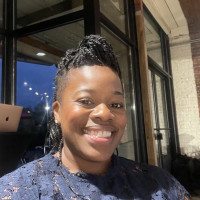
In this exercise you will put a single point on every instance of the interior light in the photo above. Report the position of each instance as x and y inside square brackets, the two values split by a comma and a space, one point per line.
[47, 96]
[41, 54]
[36, 93]
[30, 88]
[25, 83]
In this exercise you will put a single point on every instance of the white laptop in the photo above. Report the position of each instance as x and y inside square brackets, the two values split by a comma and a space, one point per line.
[9, 117]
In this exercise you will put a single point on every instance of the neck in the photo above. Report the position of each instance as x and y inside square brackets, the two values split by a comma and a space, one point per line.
[75, 163]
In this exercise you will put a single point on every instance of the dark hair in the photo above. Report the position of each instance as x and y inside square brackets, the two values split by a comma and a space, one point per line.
[93, 50]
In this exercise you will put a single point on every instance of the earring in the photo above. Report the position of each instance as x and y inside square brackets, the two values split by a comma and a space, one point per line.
[56, 121]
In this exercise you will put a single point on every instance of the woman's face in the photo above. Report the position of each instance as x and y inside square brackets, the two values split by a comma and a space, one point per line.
[91, 113]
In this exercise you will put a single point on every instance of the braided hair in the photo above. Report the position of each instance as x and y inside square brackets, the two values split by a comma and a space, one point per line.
[93, 50]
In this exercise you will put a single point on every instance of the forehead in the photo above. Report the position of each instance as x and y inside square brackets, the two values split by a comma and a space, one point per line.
[93, 77]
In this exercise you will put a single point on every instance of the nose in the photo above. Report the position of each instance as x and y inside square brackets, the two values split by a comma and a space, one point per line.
[101, 112]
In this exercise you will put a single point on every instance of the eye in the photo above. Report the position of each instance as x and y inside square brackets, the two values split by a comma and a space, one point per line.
[85, 101]
[117, 105]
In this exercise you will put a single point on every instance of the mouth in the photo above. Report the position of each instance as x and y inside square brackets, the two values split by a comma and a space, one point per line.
[98, 133]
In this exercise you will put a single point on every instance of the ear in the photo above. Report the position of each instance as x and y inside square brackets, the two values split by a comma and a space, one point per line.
[56, 111]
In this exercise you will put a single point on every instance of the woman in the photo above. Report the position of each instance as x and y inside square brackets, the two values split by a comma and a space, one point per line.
[88, 123]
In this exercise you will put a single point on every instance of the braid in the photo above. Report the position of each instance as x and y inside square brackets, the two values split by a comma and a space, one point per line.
[60, 151]
[93, 50]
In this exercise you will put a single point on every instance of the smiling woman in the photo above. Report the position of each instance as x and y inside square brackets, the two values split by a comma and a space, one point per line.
[92, 116]
[88, 121]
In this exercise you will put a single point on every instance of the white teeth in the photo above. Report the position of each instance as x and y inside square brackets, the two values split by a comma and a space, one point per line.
[98, 134]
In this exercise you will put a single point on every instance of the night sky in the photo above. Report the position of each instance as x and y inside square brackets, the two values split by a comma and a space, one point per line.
[34, 83]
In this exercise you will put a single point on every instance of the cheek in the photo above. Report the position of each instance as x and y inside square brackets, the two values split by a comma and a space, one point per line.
[122, 120]
[73, 114]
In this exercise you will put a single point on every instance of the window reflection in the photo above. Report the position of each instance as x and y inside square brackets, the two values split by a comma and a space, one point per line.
[1, 13]
[30, 12]
[0, 77]
[153, 40]
[115, 11]
[35, 93]
[152, 98]
[126, 147]
[0, 67]
[163, 122]
[52, 43]
[38, 56]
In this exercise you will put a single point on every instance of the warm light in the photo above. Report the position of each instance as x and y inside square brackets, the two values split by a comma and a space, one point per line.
[30, 88]
[25, 83]
[41, 54]
[36, 93]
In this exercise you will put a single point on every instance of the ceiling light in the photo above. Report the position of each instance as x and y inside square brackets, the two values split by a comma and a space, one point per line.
[41, 54]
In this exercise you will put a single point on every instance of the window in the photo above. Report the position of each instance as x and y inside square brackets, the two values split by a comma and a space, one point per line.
[38, 56]
[164, 116]
[153, 41]
[31, 12]
[0, 77]
[126, 147]
[1, 13]
[115, 11]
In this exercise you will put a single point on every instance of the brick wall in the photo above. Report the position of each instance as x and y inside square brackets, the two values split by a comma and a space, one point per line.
[196, 64]
[185, 78]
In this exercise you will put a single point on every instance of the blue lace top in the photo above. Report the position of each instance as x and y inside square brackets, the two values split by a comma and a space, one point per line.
[125, 179]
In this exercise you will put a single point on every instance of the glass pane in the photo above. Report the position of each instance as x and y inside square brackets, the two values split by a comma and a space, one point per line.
[162, 113]
[35, 75]
[1, 13]
[0, 77]
[30, 12]
[153, 42]
[152, 98]
[115, 11]
[126, 147]
[153, 111]
[53, 43]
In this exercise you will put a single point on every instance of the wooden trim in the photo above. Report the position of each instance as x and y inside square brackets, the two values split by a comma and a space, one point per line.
[144, 77]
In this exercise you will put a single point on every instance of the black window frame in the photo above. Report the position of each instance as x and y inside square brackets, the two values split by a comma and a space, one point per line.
[166, 73]
[92, 20]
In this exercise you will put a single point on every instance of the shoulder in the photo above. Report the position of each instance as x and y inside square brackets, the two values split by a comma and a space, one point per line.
[157, 177]
[155, 172]
[23, 182]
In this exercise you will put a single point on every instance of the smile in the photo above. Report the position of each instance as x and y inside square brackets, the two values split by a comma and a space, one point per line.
[98, 133]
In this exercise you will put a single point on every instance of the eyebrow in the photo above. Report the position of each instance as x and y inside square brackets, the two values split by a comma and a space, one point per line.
[118, 93]
[93, 91]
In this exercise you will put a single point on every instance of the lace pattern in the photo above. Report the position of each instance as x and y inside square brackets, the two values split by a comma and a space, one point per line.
[125, 179]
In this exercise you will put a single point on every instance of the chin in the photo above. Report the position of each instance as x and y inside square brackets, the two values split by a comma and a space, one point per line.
[100, 157]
